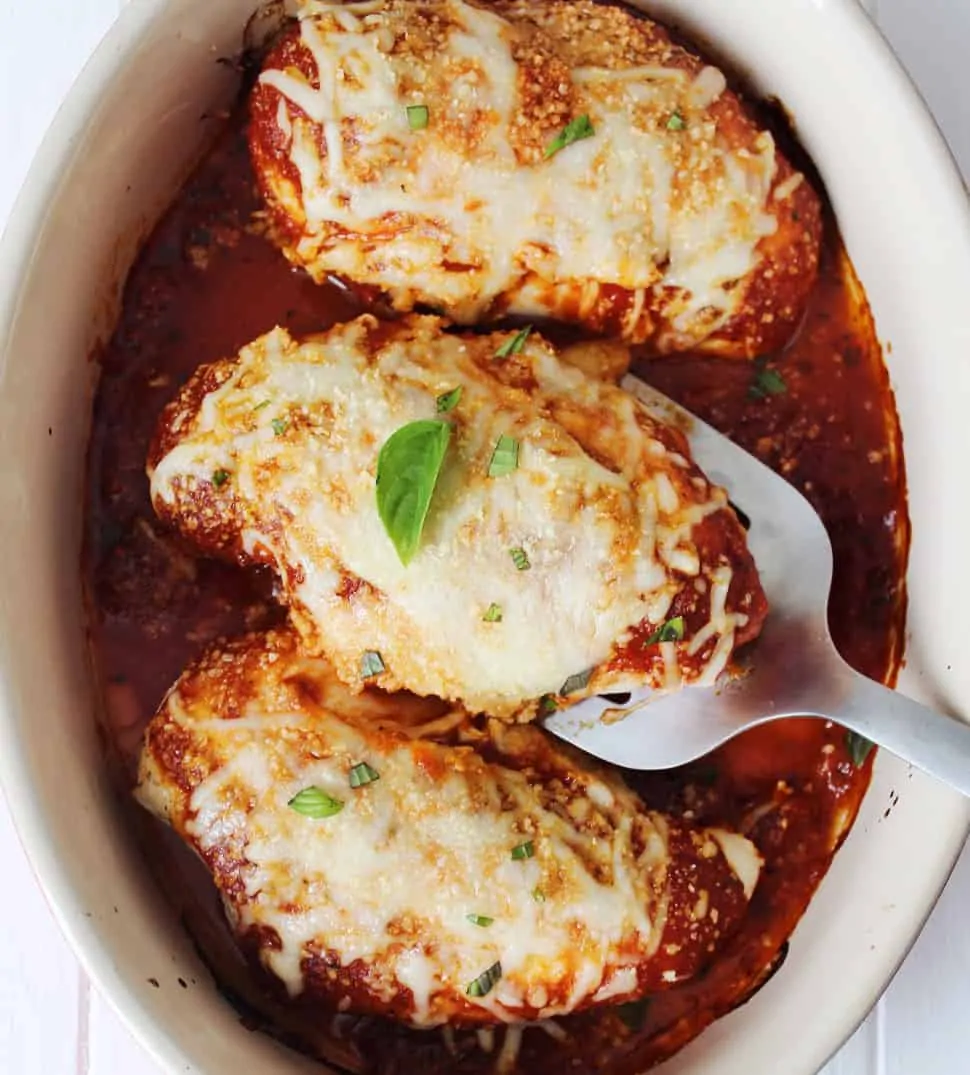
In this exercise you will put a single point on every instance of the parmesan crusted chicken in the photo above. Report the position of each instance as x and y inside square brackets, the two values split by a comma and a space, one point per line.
[571, 546]
[558, 158]
[372, 870]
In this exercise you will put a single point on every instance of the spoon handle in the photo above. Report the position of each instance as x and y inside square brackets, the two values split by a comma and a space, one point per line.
[938, 744]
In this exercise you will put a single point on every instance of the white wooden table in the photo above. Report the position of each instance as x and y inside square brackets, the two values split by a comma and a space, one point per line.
[51, 1021]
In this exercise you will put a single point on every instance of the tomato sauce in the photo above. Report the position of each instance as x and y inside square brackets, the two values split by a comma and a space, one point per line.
[821, 413]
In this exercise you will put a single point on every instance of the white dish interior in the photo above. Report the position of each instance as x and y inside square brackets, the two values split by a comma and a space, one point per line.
[113, 159]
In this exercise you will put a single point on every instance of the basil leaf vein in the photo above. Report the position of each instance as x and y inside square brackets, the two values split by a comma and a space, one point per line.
[505, 457]
[315, 802]
[362, 774]
[484, 983]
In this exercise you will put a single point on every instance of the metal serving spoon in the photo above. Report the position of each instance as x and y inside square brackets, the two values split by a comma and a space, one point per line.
[795, 670]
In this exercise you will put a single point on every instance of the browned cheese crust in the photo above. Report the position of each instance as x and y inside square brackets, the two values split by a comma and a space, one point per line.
[604, 501]
[552, 43]
[381, 907]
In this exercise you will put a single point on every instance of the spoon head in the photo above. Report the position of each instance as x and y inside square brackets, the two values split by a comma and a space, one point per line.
[781, 669]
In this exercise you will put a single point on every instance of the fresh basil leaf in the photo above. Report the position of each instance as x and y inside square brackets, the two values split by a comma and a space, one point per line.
[407, 472]
[484, 983]
[505, 457]
[574, 131]
[316, 803]
[859, 748]
[538, 895]
[220, 477]
[671, 631]
[363, 774]
[371, 664]
[259, 406]
[514, 344]
[523, 851]
[766, 382]
[493, 614]
[548, 705]
[520, 558]
[417, 117]
[575, 683]
[676, 122]
[280, 425]
[480, 920]
[448, 401]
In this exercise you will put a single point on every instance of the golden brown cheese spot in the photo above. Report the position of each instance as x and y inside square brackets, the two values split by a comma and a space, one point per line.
[668, 227]
[616, 525]
[368, 909]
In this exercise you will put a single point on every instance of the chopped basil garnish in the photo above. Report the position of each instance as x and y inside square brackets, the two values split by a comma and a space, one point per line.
[859, 748]
[220, 477]
[407, 472]
[676, 122]
[315, 802]
[633, 1013]
[520, 558]
[538, 895]
[766, 382]
[479, 920]
[574, 131]
[523, 851]
[417, 117]
[485, 982]
[448, 401]
[261, 405]
[493, 614]
[671, 631]
[547, 705]
[363, 774]
[505, 457]
[575, 683]
[514, 344]
[371, 664]
[280, 426]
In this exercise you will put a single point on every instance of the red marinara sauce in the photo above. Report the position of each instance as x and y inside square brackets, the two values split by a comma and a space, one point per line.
[208, 281]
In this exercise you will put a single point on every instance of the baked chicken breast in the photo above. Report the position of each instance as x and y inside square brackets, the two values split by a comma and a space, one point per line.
[556, 158]
[571, 547]
[376, 871]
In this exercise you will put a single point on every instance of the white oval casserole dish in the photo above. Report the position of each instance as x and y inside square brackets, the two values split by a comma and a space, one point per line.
[131, 128]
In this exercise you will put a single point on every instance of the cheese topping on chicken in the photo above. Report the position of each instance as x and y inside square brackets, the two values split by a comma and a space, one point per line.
[550, 578]
[506, 882]
[552, 158]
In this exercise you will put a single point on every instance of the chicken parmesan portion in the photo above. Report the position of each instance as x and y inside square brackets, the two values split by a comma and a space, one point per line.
[550, 158]
[496, 879]
[461, 516]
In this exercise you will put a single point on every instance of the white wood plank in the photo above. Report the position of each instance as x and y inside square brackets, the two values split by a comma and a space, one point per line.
[112, 1050]
[927, 1029]
[43, 993]
[42, 49]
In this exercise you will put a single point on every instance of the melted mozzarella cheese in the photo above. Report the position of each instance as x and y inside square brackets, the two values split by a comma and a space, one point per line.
[399, 881]
[658, 196]
[603, 510]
